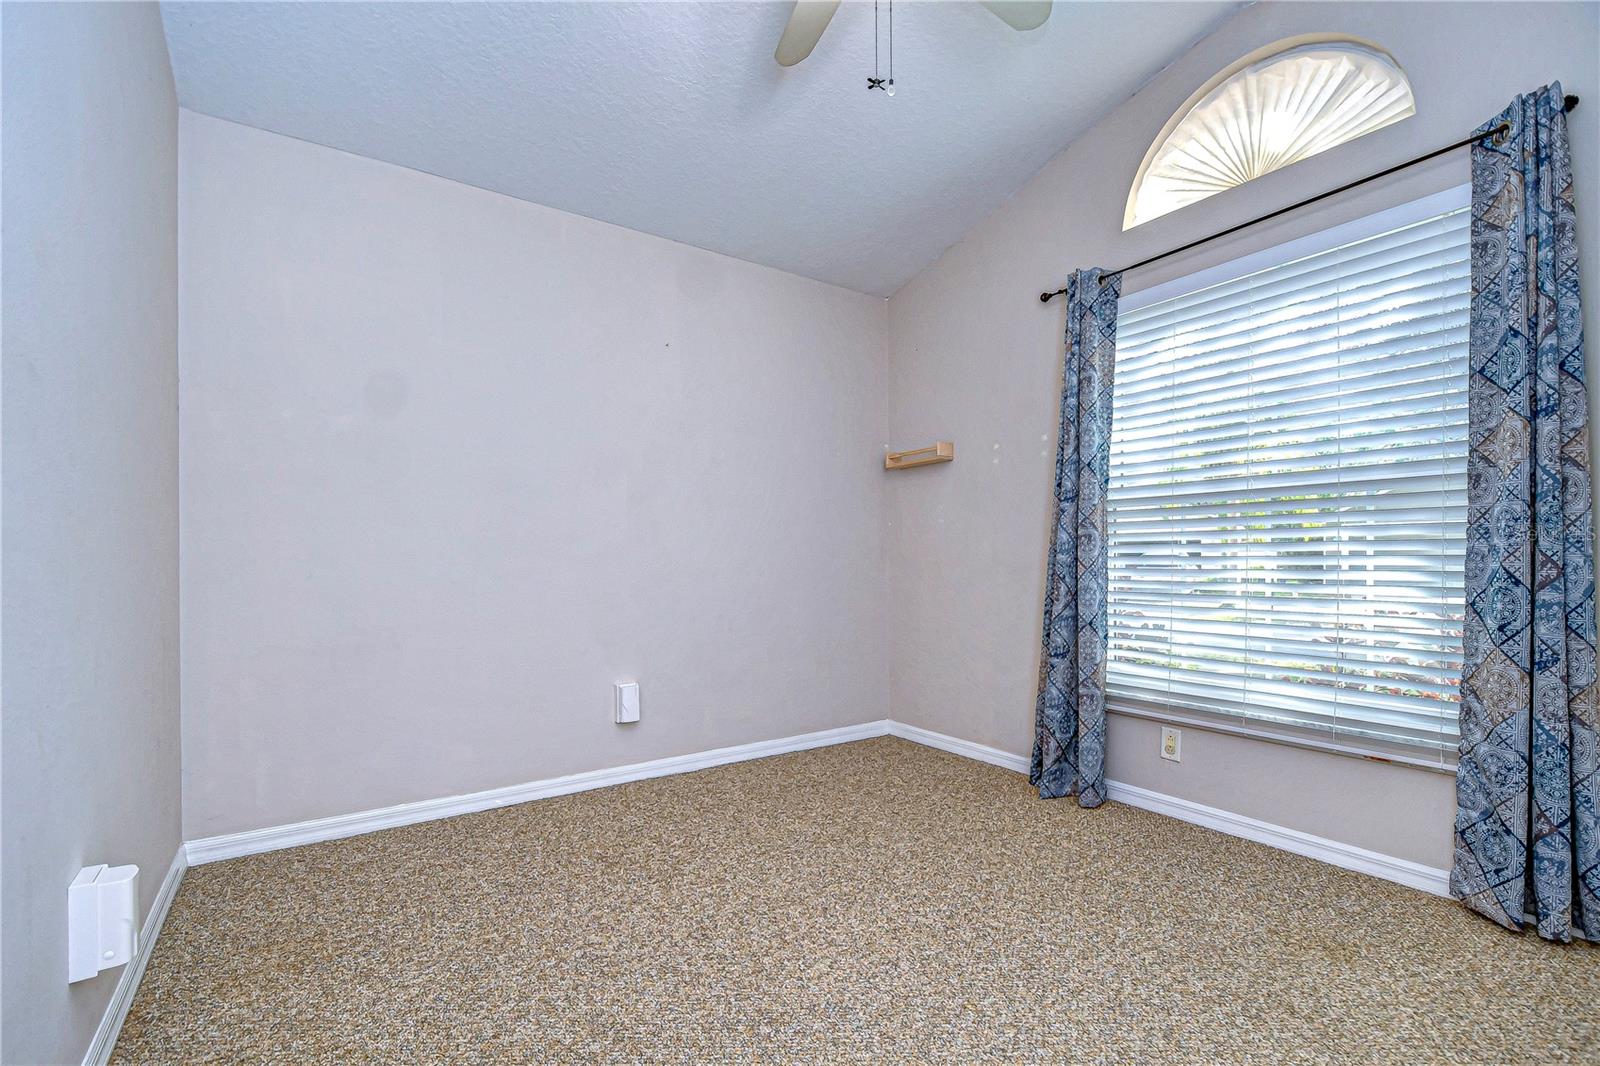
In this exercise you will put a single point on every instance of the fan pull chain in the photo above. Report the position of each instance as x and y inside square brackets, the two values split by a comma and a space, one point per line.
[876, 81]
[890, 87]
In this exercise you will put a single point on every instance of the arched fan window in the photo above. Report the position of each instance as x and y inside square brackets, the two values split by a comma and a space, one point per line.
[1272, 108]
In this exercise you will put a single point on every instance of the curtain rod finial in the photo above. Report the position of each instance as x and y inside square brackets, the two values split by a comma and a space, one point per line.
[1569, 102]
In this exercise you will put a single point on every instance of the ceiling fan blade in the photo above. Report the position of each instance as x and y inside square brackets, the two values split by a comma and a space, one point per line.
[806, 23]
[1020, 14]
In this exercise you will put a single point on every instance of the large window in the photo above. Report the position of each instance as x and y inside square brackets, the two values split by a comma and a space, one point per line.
[1288, 486]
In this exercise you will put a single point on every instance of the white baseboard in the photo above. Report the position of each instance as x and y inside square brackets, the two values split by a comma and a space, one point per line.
[1347, 856]
[957, 746]
[1334, 852]
[105, 1036]
[233, 845]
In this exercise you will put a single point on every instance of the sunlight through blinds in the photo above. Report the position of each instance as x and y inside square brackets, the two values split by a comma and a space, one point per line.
[1288, 492]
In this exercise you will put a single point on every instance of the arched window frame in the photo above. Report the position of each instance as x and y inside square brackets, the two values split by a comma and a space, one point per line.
[1258, 60]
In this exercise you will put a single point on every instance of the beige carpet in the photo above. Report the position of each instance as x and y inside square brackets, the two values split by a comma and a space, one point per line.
[875, 901]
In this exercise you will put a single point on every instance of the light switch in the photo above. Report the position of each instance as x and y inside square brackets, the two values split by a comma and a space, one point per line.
[627, 701]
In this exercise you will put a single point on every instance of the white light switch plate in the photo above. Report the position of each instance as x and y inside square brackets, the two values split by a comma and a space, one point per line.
[1172, 744]
[627, 702]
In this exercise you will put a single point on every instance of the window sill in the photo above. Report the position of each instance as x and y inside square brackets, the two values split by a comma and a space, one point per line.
[1271, 736]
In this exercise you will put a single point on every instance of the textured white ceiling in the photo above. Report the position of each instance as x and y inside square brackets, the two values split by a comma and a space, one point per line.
[673, 118]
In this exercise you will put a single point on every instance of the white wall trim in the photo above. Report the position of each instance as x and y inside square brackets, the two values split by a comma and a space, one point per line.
[1194, 720]
[105, 1036]
[957, 746]
[233, 845]
[1336, 853]
[1347, 856]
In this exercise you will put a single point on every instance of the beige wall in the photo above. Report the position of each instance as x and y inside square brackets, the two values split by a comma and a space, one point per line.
[976, 358]
[452, 463]
[90, 500]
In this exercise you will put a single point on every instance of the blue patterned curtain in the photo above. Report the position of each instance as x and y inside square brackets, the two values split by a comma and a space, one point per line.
[1069, 745]
[1526, 833]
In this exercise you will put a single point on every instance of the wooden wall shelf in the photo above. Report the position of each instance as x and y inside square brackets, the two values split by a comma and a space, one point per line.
[942, 452]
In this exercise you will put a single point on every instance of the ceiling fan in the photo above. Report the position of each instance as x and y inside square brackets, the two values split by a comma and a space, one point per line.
[810, 17]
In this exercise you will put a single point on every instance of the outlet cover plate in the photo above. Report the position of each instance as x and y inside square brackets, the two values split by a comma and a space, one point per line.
[1171, 744]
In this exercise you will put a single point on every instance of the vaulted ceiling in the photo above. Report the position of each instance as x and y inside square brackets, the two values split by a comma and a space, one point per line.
[674, 119]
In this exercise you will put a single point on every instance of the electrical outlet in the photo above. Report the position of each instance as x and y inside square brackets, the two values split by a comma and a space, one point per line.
[1172, 744]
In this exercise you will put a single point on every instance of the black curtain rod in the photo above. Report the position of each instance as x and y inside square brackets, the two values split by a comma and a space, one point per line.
[1570, 103]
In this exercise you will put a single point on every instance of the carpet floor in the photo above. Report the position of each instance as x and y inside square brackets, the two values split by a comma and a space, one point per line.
[876, 901]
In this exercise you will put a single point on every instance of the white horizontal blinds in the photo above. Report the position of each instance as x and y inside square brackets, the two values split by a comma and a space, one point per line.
[1288, 492]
